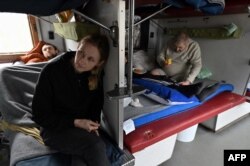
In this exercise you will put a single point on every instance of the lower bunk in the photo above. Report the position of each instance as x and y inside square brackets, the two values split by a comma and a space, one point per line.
[156, 140]
[161, 101]
[26, 147]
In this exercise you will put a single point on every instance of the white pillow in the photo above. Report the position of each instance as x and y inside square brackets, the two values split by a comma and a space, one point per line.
[142, 61]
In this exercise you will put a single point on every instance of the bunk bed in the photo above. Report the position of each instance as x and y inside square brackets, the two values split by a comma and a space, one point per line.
[113, 111]
[157, 139]
[176, 102]
[17, 88]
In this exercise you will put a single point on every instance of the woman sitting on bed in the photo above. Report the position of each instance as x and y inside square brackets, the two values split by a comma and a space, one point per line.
[68, 100]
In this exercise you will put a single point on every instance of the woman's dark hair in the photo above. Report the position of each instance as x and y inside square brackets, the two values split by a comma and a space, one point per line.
[51, 45]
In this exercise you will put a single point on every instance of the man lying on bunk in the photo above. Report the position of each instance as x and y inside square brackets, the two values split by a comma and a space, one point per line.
[41, 53]
[180, 59]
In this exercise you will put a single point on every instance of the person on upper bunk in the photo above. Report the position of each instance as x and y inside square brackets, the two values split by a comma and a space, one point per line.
[180, 59]
[41, 53]
[68, 100]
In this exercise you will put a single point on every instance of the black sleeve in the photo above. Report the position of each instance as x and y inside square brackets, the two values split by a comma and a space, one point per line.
[98, 103]
[42, 105]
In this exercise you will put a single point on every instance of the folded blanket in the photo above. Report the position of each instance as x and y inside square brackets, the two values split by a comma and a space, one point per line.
[221, 32]
[174, 94]
[164, 91]
[31, 131]
[206, 6]
[25, 147]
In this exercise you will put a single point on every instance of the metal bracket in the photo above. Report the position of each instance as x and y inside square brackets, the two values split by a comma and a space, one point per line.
[119, 93]
[113, 30]
[130, 90]
[114, 33]
[90, 19]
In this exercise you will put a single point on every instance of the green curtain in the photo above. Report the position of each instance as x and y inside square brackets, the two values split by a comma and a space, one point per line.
[75, 30]
[222, 32]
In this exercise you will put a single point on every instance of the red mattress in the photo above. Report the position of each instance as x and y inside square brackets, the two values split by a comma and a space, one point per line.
[151, 133]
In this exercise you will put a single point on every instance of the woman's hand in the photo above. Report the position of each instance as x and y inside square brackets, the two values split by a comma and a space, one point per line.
[88, 125]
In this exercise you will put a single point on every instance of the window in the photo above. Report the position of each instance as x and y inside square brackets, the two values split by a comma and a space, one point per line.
[18, 33]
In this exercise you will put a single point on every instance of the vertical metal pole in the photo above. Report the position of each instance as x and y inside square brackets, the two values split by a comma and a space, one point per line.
[130, 45]
[248, 81]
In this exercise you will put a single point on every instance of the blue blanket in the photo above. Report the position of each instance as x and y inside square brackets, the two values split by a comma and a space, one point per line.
[173, 94]
[206, 6]
[164, 91]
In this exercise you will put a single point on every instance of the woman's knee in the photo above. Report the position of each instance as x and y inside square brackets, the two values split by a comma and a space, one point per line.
[96, 154]
[99, 145]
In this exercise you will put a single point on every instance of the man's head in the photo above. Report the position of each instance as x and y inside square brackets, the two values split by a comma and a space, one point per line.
[49, 51]
[181, 42]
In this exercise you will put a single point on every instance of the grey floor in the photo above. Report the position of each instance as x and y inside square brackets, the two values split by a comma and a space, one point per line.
[208, 147]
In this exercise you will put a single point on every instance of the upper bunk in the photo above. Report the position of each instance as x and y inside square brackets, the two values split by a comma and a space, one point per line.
[143, 8]
[190, 8]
